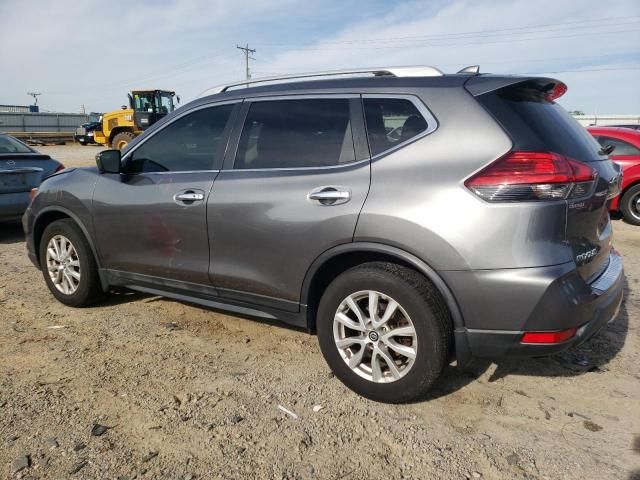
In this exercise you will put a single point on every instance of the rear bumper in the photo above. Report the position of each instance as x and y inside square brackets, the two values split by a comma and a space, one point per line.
[83, 138]
[13, 205]
[566, 302]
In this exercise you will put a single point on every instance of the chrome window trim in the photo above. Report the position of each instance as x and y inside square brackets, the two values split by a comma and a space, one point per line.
[304, 96]
[432, 122]
[280, 169]
[176, 172]
[175, 119]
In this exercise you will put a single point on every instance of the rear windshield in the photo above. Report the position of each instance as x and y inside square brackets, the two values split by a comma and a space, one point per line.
[535, 123]
[11, 145]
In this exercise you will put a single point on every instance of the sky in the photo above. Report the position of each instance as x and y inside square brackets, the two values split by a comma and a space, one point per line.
[91, 53]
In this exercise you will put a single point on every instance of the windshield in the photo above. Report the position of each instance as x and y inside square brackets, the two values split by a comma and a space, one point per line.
[153, 102]
[12, 145]
[94, 117]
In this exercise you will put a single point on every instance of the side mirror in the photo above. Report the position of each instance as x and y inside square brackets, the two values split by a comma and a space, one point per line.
[108, 161]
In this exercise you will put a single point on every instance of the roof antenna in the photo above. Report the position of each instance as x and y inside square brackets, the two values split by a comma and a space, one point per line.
[473, 69]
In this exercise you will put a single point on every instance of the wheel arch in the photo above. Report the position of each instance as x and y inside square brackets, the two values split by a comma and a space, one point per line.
[51, 214]
[118, 130]
[338, 259]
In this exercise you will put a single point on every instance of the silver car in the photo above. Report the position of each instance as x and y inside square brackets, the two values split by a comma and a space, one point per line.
[409, 217]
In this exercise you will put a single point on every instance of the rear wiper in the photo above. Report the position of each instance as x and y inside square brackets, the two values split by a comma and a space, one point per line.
[607, 150]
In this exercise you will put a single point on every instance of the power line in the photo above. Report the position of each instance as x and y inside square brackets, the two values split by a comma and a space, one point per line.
[247, 56]
[424, 45]
[602, 22]
[604, 69]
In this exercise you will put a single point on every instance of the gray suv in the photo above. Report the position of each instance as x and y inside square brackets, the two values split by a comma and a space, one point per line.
[408, 217]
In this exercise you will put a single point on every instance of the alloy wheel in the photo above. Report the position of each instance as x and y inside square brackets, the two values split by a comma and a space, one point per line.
[634, 204]
[63, 264]
[375, 336]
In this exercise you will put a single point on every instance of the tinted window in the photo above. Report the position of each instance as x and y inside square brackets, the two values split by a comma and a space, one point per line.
[296, 133]
[622, 147]
[192, 142]
[536, 124]
[11, 145]
[391, 121]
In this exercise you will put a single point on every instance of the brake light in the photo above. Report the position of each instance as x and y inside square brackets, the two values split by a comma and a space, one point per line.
[557, 91]
[532, 176]
[548, 337]
[59, 167]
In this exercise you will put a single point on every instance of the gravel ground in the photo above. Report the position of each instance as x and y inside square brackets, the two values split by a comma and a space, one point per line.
[190, 393]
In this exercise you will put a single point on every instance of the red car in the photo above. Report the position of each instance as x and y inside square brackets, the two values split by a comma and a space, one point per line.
[627, 154]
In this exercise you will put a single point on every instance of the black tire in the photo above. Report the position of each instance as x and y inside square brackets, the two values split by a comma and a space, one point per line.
[628, 206]
[89, 289]
[122, 139]
[429, 315]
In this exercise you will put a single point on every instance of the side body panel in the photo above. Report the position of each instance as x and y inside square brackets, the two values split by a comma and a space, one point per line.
[265, 231]
[418, 201]
[139, 228]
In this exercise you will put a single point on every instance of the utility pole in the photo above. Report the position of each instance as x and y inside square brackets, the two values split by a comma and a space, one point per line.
[247, 56]
[35, 96]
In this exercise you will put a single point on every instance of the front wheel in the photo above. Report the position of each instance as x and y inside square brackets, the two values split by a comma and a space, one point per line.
[68, 265]
[630, 205]
[385, 331]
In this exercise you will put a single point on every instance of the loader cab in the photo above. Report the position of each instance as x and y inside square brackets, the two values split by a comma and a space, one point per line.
[149, 106]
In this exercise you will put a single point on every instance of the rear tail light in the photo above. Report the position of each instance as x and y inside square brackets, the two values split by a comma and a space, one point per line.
[532, 176]
[548, 337]
[59, 167]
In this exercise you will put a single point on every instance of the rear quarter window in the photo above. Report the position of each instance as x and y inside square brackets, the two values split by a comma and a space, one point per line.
[391, 122]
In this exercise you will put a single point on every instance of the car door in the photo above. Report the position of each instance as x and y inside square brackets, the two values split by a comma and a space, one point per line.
[293, 189]
[150, 223]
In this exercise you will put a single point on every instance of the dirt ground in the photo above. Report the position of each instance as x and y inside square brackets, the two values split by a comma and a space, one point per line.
[189, 393]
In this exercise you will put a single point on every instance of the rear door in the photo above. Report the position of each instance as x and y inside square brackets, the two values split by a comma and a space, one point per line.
[150, 224]
[293, 189]
[537, 123]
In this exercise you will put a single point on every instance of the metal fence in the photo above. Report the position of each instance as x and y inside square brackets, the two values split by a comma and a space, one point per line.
[603, 120]
[41, 122]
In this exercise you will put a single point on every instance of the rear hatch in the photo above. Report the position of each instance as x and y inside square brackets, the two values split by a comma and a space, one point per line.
[526, 110]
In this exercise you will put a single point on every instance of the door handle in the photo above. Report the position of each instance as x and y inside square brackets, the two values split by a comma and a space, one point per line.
[188, 197]
[330, 195]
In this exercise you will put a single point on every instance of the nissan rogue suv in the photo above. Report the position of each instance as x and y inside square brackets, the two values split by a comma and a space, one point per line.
[409, 217]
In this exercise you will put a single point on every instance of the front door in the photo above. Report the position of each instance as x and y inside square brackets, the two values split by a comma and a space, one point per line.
[151, 221]
[294, 189]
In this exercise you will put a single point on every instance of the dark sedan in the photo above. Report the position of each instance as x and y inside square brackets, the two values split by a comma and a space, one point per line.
[21, 169]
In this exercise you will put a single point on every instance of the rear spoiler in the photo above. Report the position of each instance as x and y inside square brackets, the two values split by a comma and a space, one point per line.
[551, 88]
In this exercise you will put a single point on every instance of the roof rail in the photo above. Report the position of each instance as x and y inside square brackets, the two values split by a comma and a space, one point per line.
[414, 71]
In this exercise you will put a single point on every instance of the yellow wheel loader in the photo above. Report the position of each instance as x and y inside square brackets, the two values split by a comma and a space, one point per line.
[146, 107]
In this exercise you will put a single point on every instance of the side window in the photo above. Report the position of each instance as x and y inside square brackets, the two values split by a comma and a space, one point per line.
[296, 133]
[391, 121]
[622, 147]
[189, 143]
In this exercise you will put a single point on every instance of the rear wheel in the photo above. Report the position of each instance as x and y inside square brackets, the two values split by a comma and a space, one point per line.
[121, 140]
[384, 331]
[630, 205]
[68, 265]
